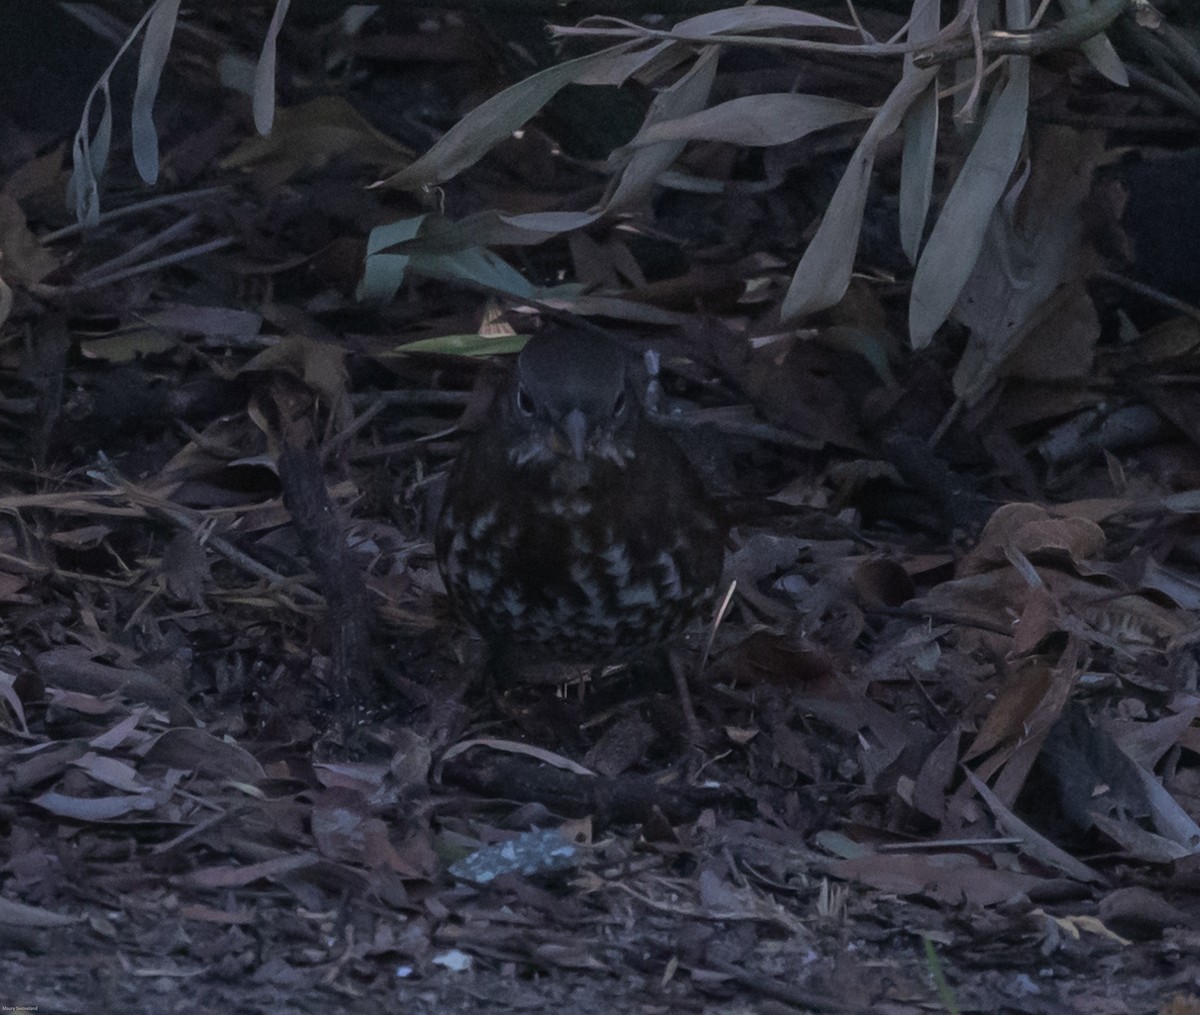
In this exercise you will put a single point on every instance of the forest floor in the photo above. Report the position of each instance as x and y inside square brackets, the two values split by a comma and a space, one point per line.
[950, 752]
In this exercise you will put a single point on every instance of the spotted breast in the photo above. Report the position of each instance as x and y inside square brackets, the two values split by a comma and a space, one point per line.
[573, 528]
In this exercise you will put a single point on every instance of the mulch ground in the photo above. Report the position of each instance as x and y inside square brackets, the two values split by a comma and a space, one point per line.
[950, 756]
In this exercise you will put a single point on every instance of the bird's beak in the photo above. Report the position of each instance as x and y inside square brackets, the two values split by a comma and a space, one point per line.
[575, 430]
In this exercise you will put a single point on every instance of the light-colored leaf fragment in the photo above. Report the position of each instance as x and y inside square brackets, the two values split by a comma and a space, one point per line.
[1168, 817]
[383, 274]
[622, 62]
[237, 72]
[1101, 55]
[617, 308]
[7, 681]
[194, 750]
[102, 142]
[264, 73]
[106, 808]
[191, 319]
[321, 366]
[958, 235]
[824, 271]
[764, 120]
[153, 58]
[89, 159]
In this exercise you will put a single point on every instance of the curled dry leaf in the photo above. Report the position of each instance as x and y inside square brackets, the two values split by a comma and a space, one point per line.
[1032, 531]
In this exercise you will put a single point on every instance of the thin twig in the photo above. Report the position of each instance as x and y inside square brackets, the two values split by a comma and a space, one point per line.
[140, 269]
[966, 113]
[197, 525]
[875, 50]
[353, 427]
[1148, 291]
[137, 209]
[1066, 34]
[136, 253]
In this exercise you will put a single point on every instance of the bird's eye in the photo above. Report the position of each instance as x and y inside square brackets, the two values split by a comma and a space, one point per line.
[524, 402]
[619, 403]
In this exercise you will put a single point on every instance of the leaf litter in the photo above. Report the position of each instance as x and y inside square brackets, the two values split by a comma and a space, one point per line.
[953, 699]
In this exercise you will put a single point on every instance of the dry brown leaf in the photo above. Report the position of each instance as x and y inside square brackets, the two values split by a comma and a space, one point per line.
[950, 878]
[1031, 530]
[1008, 721]
[197, 751]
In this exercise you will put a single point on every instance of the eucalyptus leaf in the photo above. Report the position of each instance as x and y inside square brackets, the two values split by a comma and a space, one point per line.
[754, 19]
[959, 232]
[264, 73]
[1098, 50]
[478, 266]
[383, 273]
[688, 94]
[153, 57]
[760, 120]
[824, 271]
[919, 158]
[492, 121]
[917, 165]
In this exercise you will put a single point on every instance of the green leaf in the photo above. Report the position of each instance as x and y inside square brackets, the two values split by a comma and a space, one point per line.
[467, 345]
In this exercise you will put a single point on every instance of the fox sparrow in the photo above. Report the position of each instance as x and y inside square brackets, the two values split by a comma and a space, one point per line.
[573, 529]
